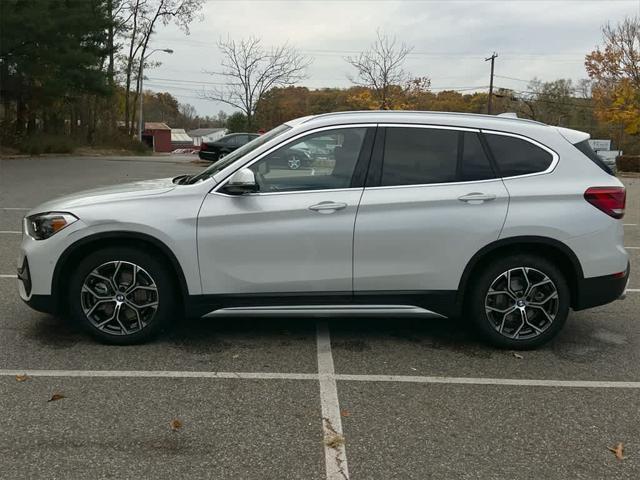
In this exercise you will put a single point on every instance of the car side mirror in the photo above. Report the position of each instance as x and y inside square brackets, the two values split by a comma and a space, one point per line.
[242, 181]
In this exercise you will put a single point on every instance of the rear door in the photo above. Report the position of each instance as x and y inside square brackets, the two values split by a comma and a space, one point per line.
[432, 200]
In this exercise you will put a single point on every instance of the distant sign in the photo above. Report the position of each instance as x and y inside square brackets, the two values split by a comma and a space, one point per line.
[610, 155]
[600, 144]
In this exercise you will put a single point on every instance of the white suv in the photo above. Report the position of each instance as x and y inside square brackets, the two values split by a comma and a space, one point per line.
[506, 221]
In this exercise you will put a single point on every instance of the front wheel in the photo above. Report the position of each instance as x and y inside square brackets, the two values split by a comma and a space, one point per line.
[519, 302]
[122, 295]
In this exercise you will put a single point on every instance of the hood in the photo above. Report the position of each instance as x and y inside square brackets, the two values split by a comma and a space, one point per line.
[107, 194]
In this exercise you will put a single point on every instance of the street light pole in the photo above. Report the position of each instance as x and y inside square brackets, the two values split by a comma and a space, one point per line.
[140, 80]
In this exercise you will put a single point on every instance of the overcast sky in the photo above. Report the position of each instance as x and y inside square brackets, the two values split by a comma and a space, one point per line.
[547, 39]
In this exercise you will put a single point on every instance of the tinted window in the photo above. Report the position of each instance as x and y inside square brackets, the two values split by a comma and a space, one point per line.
[305, 164]
[475, 164]
[515, 156]
[237, 140]
[414, 156]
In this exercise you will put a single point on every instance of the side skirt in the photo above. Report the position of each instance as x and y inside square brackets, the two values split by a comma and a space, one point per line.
[433, 303]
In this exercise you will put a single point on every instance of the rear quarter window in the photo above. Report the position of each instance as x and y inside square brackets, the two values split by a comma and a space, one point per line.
[515, 156]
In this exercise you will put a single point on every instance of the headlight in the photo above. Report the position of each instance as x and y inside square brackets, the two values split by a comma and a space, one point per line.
[44, 225]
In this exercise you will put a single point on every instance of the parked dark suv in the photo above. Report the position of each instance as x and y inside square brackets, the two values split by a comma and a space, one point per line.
[214, 151]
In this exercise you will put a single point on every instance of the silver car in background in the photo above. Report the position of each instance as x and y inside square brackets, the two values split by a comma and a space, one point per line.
[508, 222]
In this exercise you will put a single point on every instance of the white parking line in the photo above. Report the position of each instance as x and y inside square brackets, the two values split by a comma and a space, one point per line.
[515, 382]
[17, 232]
[15, 208]
[630, 224]
[633, 290]
[335, 457]
[326, 364]
[632, 248]
[8, 276]
[161, 374]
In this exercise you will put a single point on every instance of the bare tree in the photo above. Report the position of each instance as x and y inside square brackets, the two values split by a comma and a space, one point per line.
[138, 19]
[381, 67]
[249, 70]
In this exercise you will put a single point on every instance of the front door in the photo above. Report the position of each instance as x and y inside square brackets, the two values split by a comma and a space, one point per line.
[294, 235]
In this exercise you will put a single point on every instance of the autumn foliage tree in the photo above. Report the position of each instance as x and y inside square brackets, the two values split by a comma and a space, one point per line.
[614, 68]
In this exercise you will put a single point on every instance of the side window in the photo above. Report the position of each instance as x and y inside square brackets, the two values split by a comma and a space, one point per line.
[515, 156]
[414, 156]
[319, 161]
[474, 164]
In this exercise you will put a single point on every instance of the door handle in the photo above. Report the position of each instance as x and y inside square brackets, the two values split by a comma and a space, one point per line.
[477, 197]
[327, 207]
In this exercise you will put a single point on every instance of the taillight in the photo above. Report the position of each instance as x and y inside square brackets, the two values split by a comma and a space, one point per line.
[203, 146]
[611, 200]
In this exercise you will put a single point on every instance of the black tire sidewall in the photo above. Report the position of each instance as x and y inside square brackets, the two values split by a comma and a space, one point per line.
[155, 267]
[484, 279]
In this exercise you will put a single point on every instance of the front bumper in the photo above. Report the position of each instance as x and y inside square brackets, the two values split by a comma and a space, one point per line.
[41, 303]
[595, 291]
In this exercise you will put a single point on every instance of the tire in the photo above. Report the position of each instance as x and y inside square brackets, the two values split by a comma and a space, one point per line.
[143, 310]
[221, 156]
[497, 310]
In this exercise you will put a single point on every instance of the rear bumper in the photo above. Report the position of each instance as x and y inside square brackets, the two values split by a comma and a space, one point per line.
[596, 291]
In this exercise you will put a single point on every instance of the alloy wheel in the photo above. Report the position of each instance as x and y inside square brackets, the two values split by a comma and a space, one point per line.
[521, 303]
[119, 298]
[294, 162]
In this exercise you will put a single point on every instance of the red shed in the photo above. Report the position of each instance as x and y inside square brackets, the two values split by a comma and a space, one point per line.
[158, 136]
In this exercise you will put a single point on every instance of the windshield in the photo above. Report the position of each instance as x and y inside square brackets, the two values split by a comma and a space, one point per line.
[240, 152]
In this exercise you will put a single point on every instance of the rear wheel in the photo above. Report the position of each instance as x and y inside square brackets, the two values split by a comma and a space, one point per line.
[519, 302]
[122, 295]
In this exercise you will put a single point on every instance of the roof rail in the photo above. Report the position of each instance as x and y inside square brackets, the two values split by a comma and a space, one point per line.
[507, 116]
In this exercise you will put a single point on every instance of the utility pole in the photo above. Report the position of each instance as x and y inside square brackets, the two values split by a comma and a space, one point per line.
[493, 59]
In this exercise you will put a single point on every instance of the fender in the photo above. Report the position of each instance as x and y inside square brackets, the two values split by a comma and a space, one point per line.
[513, 242]
[117, 236]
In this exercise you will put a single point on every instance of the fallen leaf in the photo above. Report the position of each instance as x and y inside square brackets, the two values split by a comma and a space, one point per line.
[414, 369]
[22, 378]
[235, 356]
[518, 356]
[345, 413]
[618, 450]
[56, 396]
[334, 441]
[175, 424]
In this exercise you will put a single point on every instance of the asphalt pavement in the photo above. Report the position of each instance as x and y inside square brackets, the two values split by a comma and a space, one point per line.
[243, 398]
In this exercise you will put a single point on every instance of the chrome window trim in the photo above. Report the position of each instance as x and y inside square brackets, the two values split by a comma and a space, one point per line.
[555, 158]
[283, 144]
[443, 184]
[258, 194]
